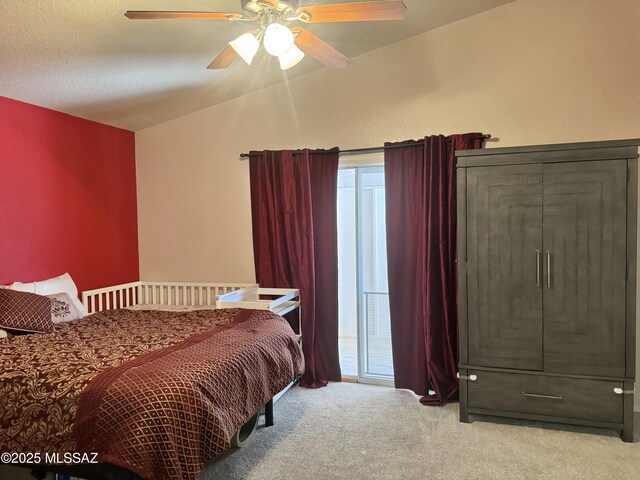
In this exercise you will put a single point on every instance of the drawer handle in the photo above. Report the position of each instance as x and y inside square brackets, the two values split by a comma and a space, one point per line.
[619, 391]
[471, 377]
[539, 395]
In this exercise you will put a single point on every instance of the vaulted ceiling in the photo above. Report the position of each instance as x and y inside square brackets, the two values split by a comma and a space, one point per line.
[85, 58]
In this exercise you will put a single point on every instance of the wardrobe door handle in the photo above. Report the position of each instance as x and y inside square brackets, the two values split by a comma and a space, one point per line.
[548, 269]
[538, 272]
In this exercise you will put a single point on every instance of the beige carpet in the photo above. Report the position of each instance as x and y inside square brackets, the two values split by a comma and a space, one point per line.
[351, 431]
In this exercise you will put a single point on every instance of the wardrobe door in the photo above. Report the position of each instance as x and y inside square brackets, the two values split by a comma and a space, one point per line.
[585, 267]
[504, 243]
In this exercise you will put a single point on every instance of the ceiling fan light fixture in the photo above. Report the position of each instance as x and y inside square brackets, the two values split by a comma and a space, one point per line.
[278, 39]
[246, 45]
[288, 44]
[291, 58]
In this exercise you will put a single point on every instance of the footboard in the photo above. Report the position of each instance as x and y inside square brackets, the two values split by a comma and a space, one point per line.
[157, 293]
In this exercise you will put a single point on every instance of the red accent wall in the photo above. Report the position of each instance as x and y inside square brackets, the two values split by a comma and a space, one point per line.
[67, 198]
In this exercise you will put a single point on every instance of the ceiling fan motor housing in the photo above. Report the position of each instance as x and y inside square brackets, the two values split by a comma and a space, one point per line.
[255, 6]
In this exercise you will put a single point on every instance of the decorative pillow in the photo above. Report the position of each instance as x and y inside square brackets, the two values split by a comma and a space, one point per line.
[63, 283]
[24, 311]
[63, 309]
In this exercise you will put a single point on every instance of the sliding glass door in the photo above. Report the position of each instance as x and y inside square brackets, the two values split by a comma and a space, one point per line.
[365, 335]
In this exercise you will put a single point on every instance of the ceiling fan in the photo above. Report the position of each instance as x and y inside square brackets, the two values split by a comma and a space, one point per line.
[288, 44]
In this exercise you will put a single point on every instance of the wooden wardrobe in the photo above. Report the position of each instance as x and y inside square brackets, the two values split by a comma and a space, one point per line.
[547, 282]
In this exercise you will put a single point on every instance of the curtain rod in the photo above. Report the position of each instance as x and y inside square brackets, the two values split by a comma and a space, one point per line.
[357, 151]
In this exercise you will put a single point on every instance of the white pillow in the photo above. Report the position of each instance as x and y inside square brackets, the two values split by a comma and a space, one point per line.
[62, 284]
[63, 309]
[23, 287]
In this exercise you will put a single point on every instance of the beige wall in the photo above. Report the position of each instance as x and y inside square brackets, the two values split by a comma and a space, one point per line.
[530, 72]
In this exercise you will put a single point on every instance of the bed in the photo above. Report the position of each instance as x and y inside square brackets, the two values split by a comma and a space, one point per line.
[152, 391]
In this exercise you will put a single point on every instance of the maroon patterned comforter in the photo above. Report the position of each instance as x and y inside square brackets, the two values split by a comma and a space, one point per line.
[156, 392]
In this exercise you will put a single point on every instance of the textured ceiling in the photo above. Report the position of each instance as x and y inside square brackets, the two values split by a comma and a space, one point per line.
[85, 58]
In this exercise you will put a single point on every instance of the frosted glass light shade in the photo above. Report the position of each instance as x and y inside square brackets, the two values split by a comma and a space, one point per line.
[278, 39]
[291, 57]
[246, 45]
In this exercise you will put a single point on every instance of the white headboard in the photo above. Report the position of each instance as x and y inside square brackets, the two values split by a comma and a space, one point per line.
[158, 293]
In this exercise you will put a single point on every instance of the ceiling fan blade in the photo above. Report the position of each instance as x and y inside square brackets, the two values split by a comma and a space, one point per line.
[319, 49]
[150, 15]
[354, 12]
[225, 59]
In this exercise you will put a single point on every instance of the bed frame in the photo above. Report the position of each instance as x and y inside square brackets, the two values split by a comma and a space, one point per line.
[210, 295]
[159, 293]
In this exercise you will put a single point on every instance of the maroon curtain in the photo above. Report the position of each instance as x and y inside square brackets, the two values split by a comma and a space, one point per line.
[420, 191]
[295, 244]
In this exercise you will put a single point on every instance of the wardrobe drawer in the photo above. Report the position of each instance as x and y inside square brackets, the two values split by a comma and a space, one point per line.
[573, 398]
